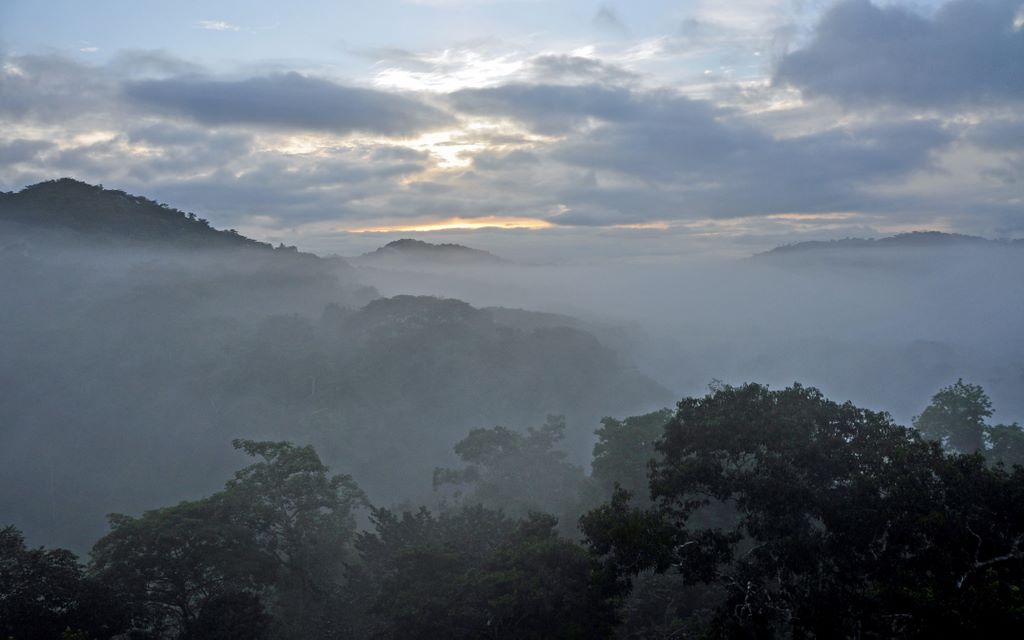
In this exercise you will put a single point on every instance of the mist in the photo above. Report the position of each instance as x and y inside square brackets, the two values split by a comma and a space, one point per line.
[130, 366]
[464, 319]
[881, 327]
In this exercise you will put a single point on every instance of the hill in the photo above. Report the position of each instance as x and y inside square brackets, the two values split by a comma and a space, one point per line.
[72, 205]
[137, 341]
[408, 250]
[911, 240]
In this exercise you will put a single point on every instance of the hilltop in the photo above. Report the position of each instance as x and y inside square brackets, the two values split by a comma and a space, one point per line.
[71, 205]
[409, 250]
[911, 240]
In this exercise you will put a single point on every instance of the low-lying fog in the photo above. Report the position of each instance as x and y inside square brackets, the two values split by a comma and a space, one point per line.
[881, 327]
[126, 372]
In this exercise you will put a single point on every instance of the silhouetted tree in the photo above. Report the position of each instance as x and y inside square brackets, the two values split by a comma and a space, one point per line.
[279, 536]
[849, 525]
[521, 472]
[624, 450]
[956, 417]
[45, 592]
[476, 573]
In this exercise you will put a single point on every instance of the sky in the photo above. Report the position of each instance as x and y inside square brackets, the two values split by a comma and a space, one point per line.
[567, 130]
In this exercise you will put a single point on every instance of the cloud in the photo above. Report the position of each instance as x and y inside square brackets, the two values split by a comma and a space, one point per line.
[1000, 134]
[477, 64]
[548, 108]
[607, 18]
[564, 68]
[288, 100]
[21, 150]
[862, 54]
[700, 165]
[630, 156]
[597, 145]
[498, 161]
[150, 63]
[51, 89]
[216, 25]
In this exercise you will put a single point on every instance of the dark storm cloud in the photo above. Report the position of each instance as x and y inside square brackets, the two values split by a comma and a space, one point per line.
[970, 53]
[288, 100]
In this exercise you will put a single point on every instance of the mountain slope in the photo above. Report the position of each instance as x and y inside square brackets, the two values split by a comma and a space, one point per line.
[68, 204]
[138, 342]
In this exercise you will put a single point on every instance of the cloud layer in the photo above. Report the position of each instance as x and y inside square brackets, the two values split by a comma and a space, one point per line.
[969, 54]
[883, 120]
[288, 100]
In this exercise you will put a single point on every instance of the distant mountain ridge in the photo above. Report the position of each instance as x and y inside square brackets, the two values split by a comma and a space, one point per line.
[411, 250]
[913, 239]
[72, 205]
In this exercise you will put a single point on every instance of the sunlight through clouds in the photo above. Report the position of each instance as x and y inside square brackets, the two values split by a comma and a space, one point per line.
[450, 70]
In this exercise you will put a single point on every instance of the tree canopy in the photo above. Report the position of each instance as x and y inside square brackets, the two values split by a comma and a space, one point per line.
[957, 417]
[848, 524]
[277, 537]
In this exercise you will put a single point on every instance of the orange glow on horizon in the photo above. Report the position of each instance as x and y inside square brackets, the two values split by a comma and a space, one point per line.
[449, 224]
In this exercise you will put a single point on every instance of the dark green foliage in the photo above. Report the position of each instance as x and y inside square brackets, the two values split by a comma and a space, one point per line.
[624, 450]
[957, 416]
[520, 473]
[1005, 444]
[232, 616]
[276, 539]
[45, 592]
[168, 564]
[475, 573]
[849, 525]
[302, 519]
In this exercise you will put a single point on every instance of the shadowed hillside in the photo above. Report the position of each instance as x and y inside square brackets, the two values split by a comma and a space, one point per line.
[412, 251]
[138, 342]
[67, 204]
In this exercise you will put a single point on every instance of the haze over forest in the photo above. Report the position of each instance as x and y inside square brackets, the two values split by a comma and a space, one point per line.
[452, 318]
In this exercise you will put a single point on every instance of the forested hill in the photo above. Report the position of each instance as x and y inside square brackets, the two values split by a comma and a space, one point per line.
[409, 250]
[902, 241]
[137, 341]
[68, 204]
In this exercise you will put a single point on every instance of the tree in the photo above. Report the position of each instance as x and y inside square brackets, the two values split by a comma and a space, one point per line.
[624, 450]
[475, 573]
[45, 592]
[521, 473]
[848, 524]
[1005, 444]
[170, 563]
[302, 520]
[276, 538]
[956, 417]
